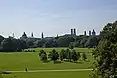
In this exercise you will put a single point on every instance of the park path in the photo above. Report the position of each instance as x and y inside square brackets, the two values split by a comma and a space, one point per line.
[52, 70]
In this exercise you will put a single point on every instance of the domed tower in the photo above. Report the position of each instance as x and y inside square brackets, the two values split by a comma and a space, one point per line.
[24, 35]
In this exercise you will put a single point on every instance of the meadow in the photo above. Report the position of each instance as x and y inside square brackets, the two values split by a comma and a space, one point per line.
[19, 61]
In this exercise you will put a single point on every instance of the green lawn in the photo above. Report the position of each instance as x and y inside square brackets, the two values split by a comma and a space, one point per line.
[82, 74]
[20, 61]
[59, 49]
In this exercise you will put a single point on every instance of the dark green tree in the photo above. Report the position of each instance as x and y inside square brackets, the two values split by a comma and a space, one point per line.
[92, 42]
[71, 45]
[105, 54]
[84, 57]
[68, 55]
[74, 56]
[62, 54]
[10, 45]
[43, 55]
[55, 55]
[65, 41]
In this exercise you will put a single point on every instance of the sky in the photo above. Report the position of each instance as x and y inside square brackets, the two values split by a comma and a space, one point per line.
[54, 17]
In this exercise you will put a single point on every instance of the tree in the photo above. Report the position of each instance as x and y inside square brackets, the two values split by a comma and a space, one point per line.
[10, 45]
[55, 55]
[92, 42]
[50, 43]
[83, 41]
[74, 56]
[1, 38]
[78, 54]
[65, 41]
[62, 54]
[84, 57]
[71, 46]
[43, 55]
[105, 54]
[68, 54]
[40, 43]
[50, 55]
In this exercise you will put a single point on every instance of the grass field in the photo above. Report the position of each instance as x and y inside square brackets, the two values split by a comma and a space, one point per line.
[21, 60]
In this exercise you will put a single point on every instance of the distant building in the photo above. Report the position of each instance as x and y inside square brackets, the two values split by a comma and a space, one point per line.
[74, 31]
[89, 33]
[32, 34]
[13, 35]
[85, 33]
[42, 36]
[24, 35]
[93, 33]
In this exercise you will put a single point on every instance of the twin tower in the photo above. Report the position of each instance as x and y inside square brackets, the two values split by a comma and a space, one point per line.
[73, 31]
[91, 33]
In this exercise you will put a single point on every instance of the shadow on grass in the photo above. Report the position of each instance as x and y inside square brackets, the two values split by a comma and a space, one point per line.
[47, 61]
[3, 72]
[57, 62]
[77, 62]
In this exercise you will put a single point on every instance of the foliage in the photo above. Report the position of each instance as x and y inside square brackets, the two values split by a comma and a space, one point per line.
[71, 46]
[84, 56]
[11, 44]
[74, 56]
[65, 41]
[62, 54]
[105, 54]
[43, 55]
[55, 55]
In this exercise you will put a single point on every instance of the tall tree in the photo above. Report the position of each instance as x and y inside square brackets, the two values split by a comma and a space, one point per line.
[105, 54]
[55, 55]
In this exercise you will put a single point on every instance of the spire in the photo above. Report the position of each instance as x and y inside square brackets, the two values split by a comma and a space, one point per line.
[93, 33]
[89, 33]
[42, 36]
[13, 35]
[71, 31]
[74, 31]
[85, 33]
[32, 35]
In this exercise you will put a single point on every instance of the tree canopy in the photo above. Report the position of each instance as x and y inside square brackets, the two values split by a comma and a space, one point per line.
[105, 54]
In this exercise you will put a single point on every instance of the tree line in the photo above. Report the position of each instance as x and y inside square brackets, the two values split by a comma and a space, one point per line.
[64, 55]
[11, 44]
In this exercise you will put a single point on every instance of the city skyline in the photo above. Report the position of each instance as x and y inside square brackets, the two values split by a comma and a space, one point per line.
[54, 16]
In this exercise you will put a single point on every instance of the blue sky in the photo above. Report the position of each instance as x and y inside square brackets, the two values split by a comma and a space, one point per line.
[54, 16]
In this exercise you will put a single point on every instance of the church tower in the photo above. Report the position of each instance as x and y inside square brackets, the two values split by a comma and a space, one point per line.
[42, 36]
[89, 33]
[24, 35]
[93, 33]
[85, 33]
[13, 35]
[74, 31]
[32, 34]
